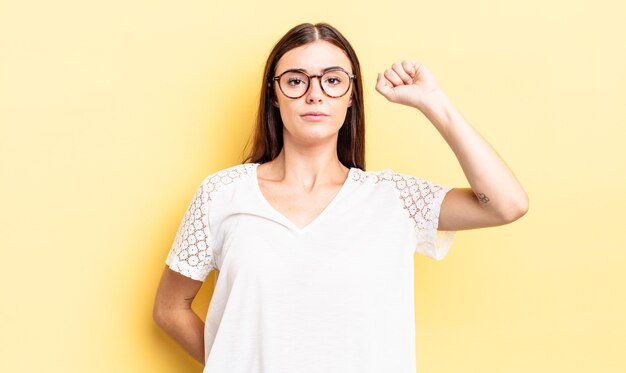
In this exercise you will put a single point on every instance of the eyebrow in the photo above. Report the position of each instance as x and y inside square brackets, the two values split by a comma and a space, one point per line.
[323, 71]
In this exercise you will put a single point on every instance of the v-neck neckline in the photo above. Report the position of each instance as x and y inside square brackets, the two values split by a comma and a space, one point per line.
[284, 218]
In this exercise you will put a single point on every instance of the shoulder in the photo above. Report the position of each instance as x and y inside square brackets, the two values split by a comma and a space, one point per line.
[225, 178]
[406, 185]
[385, 176]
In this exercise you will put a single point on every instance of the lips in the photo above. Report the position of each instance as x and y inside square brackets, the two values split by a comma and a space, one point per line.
[315, 114]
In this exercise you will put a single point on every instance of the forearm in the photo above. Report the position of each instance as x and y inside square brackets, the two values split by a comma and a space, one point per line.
[184, 327]
[490, 178]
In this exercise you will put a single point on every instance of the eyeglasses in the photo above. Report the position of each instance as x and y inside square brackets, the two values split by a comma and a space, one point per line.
[295, 83]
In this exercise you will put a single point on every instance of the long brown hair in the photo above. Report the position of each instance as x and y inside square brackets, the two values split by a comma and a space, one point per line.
[268, 135]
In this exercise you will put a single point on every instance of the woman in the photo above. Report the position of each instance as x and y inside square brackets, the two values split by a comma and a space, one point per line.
[315, 255]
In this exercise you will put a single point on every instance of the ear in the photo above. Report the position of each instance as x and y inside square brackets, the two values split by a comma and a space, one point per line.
[275, 103]
[350, 101]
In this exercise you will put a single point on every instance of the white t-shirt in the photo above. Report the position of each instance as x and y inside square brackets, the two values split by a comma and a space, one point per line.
[335, 296]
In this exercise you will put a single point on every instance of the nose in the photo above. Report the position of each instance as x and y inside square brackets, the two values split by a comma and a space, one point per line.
[315, 92]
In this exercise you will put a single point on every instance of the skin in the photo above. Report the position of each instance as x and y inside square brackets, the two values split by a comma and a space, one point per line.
[307, 174]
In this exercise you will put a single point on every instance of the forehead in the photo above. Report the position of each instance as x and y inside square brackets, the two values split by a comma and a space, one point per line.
[314, 57]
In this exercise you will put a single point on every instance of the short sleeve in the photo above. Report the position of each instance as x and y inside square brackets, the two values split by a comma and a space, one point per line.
[191, 253]
[422, 199]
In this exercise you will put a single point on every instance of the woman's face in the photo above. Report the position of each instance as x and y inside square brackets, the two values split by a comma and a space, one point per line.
[300, 124]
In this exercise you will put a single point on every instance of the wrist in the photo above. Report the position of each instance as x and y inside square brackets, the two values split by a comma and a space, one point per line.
[434, 100]
[439, 110]
[435, 104]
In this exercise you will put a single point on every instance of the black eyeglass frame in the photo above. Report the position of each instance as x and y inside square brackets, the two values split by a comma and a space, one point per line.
[319, 80]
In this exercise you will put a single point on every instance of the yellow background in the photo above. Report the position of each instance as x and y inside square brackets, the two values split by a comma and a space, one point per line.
[112, 112]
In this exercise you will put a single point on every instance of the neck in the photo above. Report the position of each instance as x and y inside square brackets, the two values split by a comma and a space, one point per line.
[307, 167]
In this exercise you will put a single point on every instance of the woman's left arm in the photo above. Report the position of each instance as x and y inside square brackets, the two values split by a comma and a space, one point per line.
[495, 196]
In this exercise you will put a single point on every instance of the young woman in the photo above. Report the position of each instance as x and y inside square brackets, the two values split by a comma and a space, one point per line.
[315, 255]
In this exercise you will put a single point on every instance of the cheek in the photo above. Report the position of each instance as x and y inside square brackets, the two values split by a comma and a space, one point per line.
[343, 107]
[287, 113]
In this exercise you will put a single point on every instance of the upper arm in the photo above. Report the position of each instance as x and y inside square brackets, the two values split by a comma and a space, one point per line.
[175, 291]
[461, 210]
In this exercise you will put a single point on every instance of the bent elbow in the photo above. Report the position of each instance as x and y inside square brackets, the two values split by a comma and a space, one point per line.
[515, 210]
[159, 315]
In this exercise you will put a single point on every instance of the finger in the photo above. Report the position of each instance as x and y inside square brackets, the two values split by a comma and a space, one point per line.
[383, 86]
[410, 66]
[402, 73]
[393, 77]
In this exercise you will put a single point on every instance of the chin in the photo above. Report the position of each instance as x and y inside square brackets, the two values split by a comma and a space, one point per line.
[313, 135]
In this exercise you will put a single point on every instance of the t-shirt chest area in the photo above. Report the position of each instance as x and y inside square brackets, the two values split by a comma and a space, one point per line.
[346, 250]
[300, 208]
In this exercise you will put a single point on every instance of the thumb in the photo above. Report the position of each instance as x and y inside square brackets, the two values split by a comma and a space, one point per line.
[383, 86]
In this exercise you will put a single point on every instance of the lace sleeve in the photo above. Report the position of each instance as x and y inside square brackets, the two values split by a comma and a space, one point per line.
[422, 200]
[191, 254]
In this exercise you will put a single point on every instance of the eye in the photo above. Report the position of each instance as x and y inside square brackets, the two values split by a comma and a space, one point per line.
[294, 81]
[335, 78]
